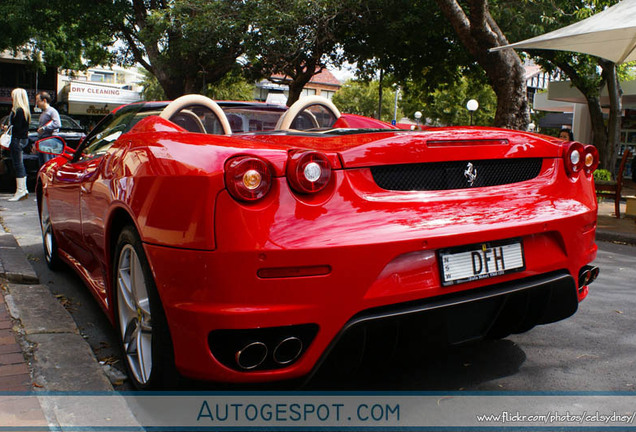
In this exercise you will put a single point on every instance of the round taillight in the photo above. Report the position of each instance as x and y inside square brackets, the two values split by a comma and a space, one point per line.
[574, 157]
[590, 159]
[247, 178]
[308, 171]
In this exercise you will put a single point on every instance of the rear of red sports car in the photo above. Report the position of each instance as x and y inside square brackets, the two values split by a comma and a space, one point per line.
[488, 232]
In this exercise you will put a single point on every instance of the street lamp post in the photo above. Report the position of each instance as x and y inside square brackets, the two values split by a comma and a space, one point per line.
[418, 116]
[397, 93]
[472, 106]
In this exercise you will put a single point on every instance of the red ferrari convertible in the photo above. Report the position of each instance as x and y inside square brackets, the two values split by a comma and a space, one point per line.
[245, 242]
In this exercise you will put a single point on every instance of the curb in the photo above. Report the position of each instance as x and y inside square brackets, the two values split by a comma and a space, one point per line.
[615, 237]
[14, 265]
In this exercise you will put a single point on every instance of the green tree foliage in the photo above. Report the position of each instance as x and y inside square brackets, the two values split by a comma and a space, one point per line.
[59, 33]
[406, 39]
[296, 38]
[446, 105]
[186, 44]
[232, 87]
[478, 31]
[361, 97]
[412, 40]
[403, 40]
[151, 89]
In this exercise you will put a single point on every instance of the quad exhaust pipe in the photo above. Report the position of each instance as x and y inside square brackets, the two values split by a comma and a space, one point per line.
[287, 350]
[255, 354]
[251, 355]
[261, 349]
[587, 275]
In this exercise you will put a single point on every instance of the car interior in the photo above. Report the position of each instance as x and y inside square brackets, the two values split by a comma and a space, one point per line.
[199, 114]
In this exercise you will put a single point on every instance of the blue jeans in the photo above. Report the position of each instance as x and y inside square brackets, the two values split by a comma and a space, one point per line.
[44, 158]
[16, 155]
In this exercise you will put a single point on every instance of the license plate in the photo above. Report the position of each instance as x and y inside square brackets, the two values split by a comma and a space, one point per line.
[480, 261]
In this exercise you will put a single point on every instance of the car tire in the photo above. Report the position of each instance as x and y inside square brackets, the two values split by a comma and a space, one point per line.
[140, 320]
[49, 243]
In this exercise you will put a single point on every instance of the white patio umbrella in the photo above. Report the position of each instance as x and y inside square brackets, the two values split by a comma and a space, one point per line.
[610, 34]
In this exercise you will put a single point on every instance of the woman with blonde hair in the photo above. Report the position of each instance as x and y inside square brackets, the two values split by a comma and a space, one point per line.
[19, 119]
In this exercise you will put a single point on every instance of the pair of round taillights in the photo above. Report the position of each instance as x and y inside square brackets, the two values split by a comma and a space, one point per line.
[249, 178]
[580, 158]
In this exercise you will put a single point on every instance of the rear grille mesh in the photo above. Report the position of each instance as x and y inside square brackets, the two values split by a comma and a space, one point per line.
[455, 175]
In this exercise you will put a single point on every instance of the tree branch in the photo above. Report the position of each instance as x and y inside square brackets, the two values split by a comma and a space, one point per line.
[137, 53]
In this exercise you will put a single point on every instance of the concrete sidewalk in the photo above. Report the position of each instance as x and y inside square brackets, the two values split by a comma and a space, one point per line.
[612, 229]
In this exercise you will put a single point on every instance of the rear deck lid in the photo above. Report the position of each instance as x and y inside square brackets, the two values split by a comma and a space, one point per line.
[449, 145]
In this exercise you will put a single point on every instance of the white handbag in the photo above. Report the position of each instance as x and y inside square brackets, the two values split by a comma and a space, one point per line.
[5, 139]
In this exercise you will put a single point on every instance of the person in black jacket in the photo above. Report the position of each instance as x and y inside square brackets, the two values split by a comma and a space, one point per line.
[19, 119]
[566, 134]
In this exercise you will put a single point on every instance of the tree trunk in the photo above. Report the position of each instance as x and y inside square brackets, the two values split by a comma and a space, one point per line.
[297, 85]
[295, 90]
[508, 81]
[172, 88]
[301, 76]
[599, 132]
[380, 94]
[479, 32]
[614, 121]
[607, 149]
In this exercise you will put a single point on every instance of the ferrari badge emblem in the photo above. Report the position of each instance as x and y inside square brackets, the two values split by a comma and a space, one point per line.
[470, 173]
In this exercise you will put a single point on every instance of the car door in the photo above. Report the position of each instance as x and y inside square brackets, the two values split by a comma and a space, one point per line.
[63, 206]
[95, 197]
[95, 200]
[71, 179]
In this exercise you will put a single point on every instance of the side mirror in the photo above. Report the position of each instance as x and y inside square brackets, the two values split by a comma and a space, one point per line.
[54, 146]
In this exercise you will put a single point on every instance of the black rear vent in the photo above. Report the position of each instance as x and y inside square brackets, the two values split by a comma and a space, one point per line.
[455, 175]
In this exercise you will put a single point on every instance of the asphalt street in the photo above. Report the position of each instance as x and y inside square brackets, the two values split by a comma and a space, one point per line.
[593, 350]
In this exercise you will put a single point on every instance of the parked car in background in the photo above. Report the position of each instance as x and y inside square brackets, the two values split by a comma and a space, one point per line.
[70, 130]
[243, 242]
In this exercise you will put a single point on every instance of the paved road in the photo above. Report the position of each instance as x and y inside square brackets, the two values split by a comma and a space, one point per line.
[594, 350]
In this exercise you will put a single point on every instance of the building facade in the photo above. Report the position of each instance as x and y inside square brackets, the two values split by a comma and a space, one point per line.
[94, 93]
[323, 84]
[17, 71]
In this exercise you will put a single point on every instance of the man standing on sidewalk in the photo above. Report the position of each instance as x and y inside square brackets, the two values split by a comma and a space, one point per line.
[49, 123]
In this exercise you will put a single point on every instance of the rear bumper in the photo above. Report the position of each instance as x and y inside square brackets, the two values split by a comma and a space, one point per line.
[559, 289]
[207, 292]
[328, 307]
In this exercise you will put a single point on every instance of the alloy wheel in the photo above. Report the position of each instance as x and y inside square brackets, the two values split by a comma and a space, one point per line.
[134, 315]
[48, 238]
